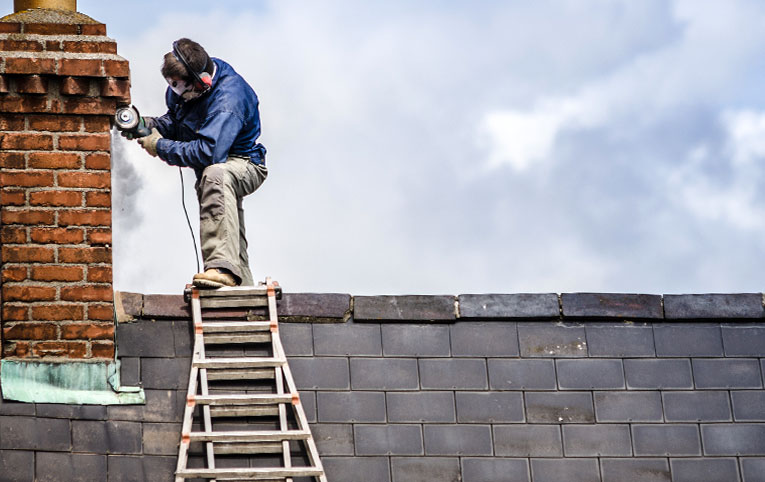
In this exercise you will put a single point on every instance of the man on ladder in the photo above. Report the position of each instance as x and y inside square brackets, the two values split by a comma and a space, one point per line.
[212, 126]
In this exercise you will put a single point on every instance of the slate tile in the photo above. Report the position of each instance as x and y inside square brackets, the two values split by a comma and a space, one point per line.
[321, 373]
[645, 374]
[688, 340]
[494, 470]
[74, 412]
[165, 306]
[161, 438]
[611, 305]
[744, 340]
[551, 340]
[421, 407]
[620, 340]
[748, 406]
[146, 338]
[525, 440]
[55, 467]
[727, 373]
[597, 374]
[666, 440]
[27, 433]
[614, 406]
[384, 374]
[333, 438]
[130, 371]
[425, 469]
[388, 439]
[509, 306]
[697, 407]
[183, 338]
[311, 306]
[9, 407]
[297, 338]
[704, 470]
[354, 469]
[351, 406]
[404, 308]
[753, 469]
[476, 339]
[457, 439]
[165, 373]
[308, 400]
[17, 465]
[559, 407]
[608, 440]
[110, 437]
[453, 373]
[521, 374]
[734, 439]
[635, 470]
[710, 306]
[161, 406]
[129, 468]
[416, 340]
[348, 339]
[570, 470]
[489, 407]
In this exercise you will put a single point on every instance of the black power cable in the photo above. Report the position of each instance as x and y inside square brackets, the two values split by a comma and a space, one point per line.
[191, 230]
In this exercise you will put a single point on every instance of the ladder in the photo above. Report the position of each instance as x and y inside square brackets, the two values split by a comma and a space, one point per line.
[253, 398]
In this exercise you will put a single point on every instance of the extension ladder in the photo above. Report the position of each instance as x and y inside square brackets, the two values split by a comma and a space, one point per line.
[255, 391]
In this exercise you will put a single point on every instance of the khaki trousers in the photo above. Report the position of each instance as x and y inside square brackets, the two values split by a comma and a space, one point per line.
[220, 191]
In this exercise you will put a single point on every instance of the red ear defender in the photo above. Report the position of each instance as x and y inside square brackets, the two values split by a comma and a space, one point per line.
[206, 79]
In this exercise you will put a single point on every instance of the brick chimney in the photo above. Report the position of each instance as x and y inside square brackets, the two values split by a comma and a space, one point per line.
[61, 81]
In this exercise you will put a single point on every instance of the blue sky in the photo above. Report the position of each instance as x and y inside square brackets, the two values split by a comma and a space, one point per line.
[454, 147]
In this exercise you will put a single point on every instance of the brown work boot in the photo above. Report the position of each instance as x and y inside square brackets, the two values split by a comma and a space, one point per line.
[214, 278]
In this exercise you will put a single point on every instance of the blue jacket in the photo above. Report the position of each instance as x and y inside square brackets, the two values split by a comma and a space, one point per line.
[206, 130]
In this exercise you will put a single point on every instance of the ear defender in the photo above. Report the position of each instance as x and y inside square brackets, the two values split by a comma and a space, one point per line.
[206, 79]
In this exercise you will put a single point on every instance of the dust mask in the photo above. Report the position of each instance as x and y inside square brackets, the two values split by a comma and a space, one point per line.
[178, 86]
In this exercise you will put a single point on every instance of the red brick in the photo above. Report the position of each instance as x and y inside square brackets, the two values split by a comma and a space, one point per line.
[10, 27]
[81, 217]
[58, 273]
[53, 45]
[28, 216]
[68, 349]
[115, 87]
[86, 293]
[14, 274]
[90, 47]
[117, 68]
[93, 29]
[34, 141]
[58, 312]
[90, 105]
[27, 254]
[57, 235]
[100, 274]
[24, 103]
[87, 142]
[32, 84]
[19, 349]
[81, 67]
[98, 199]
[21, 45]
[75, 86]
[57, 123]
[52, 28]
[102, 350]
[30, 331]
[97, 123]
[100, 236]
[55, 198]
[12, 122]
[13, 235]
[98, 161]
[15, 313]
[100, 312]
[28, 293]
[4, 89]
[26, 179]
[12, 160]
[88, 331]
[96, 180]
[85, 255]
[55, 160]
[12, 197]
[29, 65]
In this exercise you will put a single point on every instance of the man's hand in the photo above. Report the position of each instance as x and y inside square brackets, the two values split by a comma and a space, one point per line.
[144, 122]
[149, 143]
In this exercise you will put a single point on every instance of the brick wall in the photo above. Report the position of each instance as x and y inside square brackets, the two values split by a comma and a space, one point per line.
[60, 84]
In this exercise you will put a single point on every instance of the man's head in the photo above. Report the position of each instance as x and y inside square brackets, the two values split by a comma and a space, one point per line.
[178, 75]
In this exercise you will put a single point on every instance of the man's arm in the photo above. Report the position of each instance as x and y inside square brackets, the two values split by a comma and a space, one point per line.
[213, 142]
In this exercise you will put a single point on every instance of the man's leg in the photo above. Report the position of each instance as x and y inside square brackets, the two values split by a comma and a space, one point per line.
[258, 174]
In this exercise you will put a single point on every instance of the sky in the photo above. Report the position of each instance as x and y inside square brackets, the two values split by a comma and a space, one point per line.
[445, 147]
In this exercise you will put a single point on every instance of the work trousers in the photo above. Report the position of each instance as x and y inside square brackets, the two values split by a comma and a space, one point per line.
[220, 191]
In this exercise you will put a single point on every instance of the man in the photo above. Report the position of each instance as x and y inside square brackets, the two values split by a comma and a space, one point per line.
[212, 126]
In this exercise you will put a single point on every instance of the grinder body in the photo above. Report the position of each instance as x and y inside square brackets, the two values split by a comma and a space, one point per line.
[128, 119]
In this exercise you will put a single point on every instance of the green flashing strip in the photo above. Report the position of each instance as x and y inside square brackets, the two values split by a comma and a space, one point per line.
[76, 383]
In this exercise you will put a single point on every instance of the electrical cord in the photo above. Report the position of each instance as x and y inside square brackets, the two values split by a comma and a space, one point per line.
[191, 230]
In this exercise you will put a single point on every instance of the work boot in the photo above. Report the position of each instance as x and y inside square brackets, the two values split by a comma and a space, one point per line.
[214, 278]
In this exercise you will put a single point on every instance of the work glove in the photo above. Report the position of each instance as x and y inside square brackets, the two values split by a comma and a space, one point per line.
[149, 143]
[147, 122]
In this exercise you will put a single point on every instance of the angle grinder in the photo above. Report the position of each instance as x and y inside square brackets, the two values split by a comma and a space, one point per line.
[127, 119]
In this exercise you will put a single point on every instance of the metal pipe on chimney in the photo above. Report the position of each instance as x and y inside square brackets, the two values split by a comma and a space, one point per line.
[70, 5]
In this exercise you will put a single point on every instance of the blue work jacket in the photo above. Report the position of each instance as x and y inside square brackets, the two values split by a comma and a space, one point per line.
[206, 130]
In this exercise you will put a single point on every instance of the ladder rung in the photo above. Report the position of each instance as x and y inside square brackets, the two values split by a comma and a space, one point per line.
[264, 473]
[250, 436]
[236, 326]
[251, 399]
[245, 411]
[249, 448]
[234, 291]
[252, 362]
[242, 374]
[237, 338]
[246, 302]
